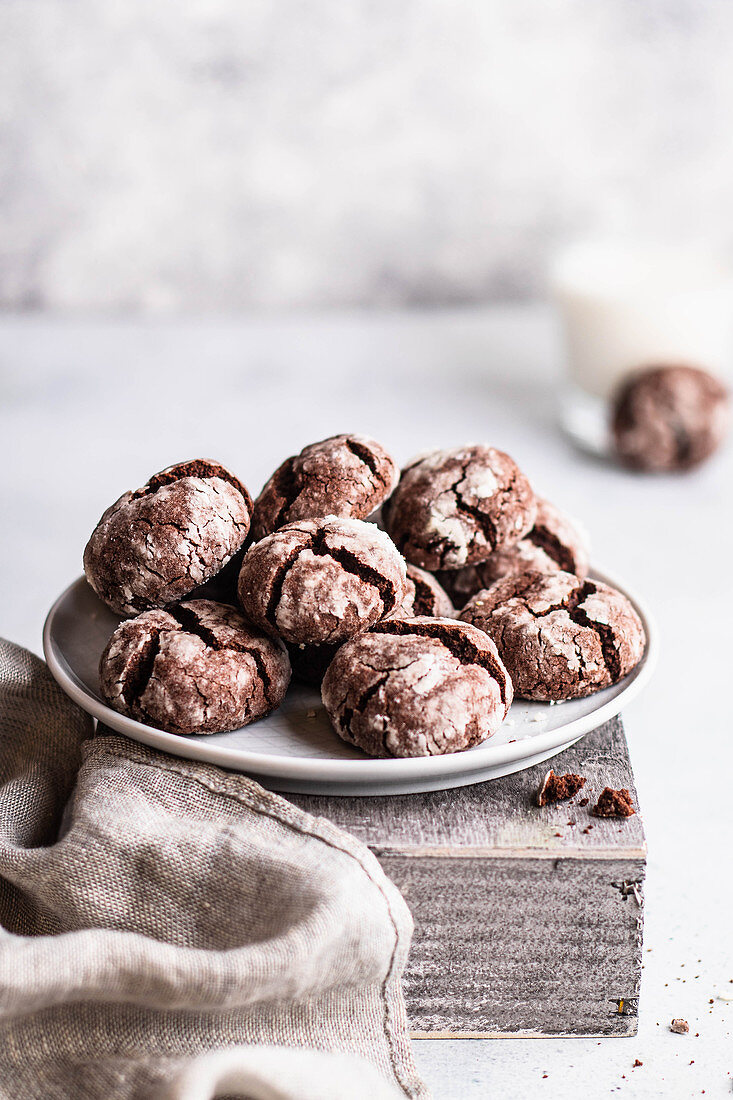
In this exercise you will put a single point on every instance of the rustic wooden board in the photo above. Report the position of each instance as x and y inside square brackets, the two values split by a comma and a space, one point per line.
[518, 930]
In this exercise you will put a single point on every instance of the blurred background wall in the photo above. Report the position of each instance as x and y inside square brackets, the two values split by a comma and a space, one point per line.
[165, 155]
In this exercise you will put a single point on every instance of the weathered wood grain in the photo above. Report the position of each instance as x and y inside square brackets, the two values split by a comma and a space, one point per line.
[525, 923]
[522, 948]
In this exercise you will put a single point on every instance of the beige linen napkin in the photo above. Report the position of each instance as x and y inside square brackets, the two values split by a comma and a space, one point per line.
[171, 930]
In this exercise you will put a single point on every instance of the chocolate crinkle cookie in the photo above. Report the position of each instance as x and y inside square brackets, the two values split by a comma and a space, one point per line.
[155, 545]
[196, 667]
[669, 418]
[417, 687]
[555, 542]
[346, 475]
[561, 637]
[321, 581]
[454, 508]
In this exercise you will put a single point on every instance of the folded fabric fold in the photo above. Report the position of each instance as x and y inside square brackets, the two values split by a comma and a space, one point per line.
[154, 911]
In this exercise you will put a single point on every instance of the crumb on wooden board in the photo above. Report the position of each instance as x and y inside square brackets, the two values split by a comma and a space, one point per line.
[558, 788]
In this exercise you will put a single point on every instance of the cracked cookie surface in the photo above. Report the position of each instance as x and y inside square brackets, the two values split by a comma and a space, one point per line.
[155, 545]
[417, 687]
[669, 418]
[196, 667]
[561, 637]
[555, 542]
[346, 475]
[321, 581]
[455, 507]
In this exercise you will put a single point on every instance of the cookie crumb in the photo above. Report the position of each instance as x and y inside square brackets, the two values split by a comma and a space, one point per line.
[584, 802]
[637, 1063]
[679, 1027]
[612, 803]
[558, 788]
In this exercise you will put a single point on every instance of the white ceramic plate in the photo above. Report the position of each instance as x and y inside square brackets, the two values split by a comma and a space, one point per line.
[295, 749]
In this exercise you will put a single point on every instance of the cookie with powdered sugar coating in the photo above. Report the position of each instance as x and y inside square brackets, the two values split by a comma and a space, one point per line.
[417, 687]
[345, 475]
[195, 667]
[455, 507]
[321, 581]
[156, 544]
[561, 637]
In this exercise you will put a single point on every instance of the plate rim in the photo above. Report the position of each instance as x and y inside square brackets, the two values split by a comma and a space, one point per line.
[356, 772]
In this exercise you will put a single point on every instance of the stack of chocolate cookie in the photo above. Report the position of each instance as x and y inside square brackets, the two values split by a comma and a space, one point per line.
[229, 598]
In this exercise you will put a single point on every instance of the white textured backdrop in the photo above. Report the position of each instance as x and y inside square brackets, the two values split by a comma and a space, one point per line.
[204, 154]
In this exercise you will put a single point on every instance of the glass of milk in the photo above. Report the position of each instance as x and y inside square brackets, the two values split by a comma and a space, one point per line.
[626, 306]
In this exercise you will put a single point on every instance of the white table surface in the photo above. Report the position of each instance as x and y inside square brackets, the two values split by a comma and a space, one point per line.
[90, 408]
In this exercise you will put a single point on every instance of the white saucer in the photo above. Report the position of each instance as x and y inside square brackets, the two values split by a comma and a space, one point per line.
[295, 749]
